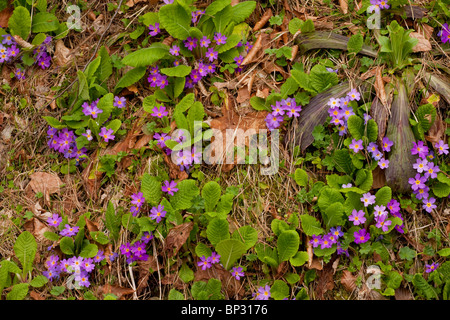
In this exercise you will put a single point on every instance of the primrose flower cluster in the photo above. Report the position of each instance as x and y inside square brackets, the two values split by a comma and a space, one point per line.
[79, 267]
[426, 171]
[9, 50]
[286, 107]
[136, 251]
[205, 51]
[444, 34]
[183, 159]
[63, 141]
[340, 110]
[381, 216]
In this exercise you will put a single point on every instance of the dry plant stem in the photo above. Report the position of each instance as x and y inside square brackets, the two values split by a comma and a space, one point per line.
[133, 285]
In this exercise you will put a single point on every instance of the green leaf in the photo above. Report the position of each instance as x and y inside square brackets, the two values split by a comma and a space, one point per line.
[287, 244]
[18, 292]
[145, 57]
[310, 225]
[202, 250]
[67, 246]
[89, 251]
[20, 22]
[301, 177]
[175, 295]
[242, 11]
[327, 197]
[44, 22]
[247, 234]
[83, 86]
[211, 193]
[364, 179]
[441, 190]
[356, 127]
[372, 130]
[39, 281]
[355, 43]
[187, 191]
[407, 253]
[216, 6]
[178, 71]
[424, 287]
[185, 103]
[321, 79]
[217, 230]
[230, 251]
[267, 255]
[99, 237]
[279, 290]
[151, 189]
[289, 87]
[292, 278]
[112, 221]
[129, 78]
[444, 252]
[25, 249]
[343, 161]
[105, 69]
[51, 236]
[114, 125]
[223, 18]
[278, 226]
[185, 273]
[307, 26]
[383, 196]
[295, 25]
[258, 103]
[299, 259]
[54, 122]
[174, 18]
[333, 215]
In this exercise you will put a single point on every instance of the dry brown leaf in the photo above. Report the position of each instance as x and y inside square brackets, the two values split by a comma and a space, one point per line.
[403, 294]
[294, 52]
[177, 237]
[91, 225]
[325, 281]
[437, 130]
[36, 296]
[231, 123]
[379, 86]
[266, 16]
[348, 281]
[234, 2]
[62, 54]
[47, 183]
[120, 292]
[5, 14]
[144, 271]
[38, 228]
[258, 49]
[422, 45]
[173, 280]
[243, 95]
[344, 6]
[379, 178]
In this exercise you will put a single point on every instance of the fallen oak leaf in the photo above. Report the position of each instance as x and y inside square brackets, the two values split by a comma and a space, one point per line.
[118, 291]
[422, 45]
[176, 237]
[266, 16]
